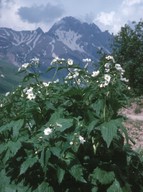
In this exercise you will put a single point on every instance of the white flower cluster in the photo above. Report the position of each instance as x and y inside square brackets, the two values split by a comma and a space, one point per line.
[95, 73]
[35, 60]
[46, 84]
[111, 65]
[57, 60]
[73, 74]
[61, 61]
[29, 93]
[47, 131]
[121, 71]
[106, 81]
[81, 139]
[110, 58]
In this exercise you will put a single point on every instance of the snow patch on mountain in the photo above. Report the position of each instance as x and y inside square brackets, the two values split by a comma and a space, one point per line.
[70, 38]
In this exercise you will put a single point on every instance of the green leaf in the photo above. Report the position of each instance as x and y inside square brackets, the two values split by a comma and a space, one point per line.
[94, 189]
[17, 125]
[27, 164]
[109, 130]
[44, 158]
[14, 125]
[98, 106]
[56, 151]
[102, 176]
[77, 172]
[115, 187]
[44, 187]
[69, 157]
[14, 146]
[92, 125]
[7, 126]
[56, 115]
[63, 124]
[60, 174]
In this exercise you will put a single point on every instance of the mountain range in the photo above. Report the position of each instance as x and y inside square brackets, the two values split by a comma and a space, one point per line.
[68, 38]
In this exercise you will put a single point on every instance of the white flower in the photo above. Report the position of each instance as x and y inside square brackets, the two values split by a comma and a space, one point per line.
[29, 93]
[2, 75]
[31, 96]
[124, 79]
[69, 76]
[76, 74]
[7, 94]
[70, 62]
[119, 68]
[78, 81]
[81, 139]
[35, 60]
[25, 65]
[56, 81]
[101, 85]
[56, 59]
[95, 73]
[107, 78]
[71, 143]
[107, 70]
[107, 65]
[46, 84]
[47, 131]
[109, 57]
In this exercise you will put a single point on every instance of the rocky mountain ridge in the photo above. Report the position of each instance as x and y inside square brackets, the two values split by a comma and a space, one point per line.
[68, 38]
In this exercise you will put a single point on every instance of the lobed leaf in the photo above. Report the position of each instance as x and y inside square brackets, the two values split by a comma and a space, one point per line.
[115, 187]
[27, 164]
[77, 172]
[104, 177]
[109, 130]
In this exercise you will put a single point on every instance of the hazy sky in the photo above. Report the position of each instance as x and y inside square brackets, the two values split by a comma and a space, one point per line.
[31, 14]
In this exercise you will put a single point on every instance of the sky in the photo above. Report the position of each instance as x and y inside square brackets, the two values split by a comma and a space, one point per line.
[106, 14]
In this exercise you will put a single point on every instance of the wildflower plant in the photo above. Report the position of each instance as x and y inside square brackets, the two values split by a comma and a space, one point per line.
[66, 135]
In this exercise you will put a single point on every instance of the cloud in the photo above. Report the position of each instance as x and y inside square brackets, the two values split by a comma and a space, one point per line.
[6, 3]
[105, 18]
[128, 11]
[40, 13]
[131, 2]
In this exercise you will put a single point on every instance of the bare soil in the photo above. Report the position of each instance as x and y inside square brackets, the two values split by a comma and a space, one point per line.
[134, 122]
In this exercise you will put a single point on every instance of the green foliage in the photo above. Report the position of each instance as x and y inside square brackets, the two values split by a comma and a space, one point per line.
[67, 135]
[8, 78]
[129, 51]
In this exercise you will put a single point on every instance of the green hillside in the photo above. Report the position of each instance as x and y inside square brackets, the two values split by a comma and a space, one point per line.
[9, 78]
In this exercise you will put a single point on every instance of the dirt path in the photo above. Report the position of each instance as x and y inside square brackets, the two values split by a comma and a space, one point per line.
[134, 123]
[135, 117]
